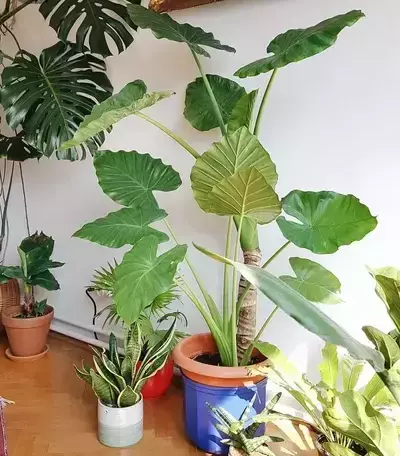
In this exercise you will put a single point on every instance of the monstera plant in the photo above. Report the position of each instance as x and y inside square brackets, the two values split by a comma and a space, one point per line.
[236, 176]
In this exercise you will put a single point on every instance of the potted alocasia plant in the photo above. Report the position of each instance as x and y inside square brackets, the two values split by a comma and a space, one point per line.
[117, 380]
[235, 178]
[28, 325]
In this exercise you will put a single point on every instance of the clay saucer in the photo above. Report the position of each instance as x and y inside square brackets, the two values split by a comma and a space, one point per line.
[26, 359]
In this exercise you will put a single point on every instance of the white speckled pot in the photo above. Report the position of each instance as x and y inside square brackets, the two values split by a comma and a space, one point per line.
[120, 427]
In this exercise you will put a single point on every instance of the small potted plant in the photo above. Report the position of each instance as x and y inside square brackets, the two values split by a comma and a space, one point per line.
[28, 325]
[241, 436]
[103, 283]
[117, 380]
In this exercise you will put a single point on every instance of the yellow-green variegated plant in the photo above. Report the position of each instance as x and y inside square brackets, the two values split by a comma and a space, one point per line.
[235, 177]
[349, 417]
[117, 380]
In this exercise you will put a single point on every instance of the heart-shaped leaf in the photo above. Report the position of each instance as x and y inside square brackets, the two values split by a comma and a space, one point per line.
[142, 276]
[302, 310]
[328, 220]
[49, 97]
[126, 226]
[15, 148]
[97, 22]
[199, 110]
[299, 44]
[313, 281]
[248, 194]
[242, 113]
[384, 344]
[130, 178]
[237, 151]
[163, 26]
[130, 100]
[355, 417]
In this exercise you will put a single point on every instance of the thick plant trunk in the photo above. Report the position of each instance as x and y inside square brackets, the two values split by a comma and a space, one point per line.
[246, 331]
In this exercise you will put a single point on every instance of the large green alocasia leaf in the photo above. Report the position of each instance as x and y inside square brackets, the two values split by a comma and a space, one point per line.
[142, 276]
[241, 115]
[299, 44]
[130, 100]
[124, 227]
[313, 281]
[302, 310]
[326, 220]
[247, 194]
[329, 366]
[351, 370]
[15, 148]
[130, 178]
[384, 344]
[199, 110]
[355, 417]
[237, 151]
[163, 26]
[49, 97]
[95, 23]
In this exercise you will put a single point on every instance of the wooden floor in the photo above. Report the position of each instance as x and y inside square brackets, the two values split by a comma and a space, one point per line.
[55, 413]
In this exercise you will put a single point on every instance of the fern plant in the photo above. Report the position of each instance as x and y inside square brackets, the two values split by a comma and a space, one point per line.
[241, 435]
[118, 380]
[103, 283]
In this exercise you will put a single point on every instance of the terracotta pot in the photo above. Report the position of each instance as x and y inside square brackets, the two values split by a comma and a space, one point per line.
[27, 336]
[198, 344]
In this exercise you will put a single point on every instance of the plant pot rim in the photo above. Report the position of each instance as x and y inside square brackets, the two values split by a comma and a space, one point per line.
[120, 408]
[9, 317]
[198, 344]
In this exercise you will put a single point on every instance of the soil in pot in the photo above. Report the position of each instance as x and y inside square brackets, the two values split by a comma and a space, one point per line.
[27, 336]
[321, 439]
[214, 359]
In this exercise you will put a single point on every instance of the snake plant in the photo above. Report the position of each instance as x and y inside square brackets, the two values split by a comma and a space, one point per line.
[241, 434]
[118, 380]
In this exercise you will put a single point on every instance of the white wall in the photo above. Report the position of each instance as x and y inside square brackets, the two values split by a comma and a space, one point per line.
[332, 123]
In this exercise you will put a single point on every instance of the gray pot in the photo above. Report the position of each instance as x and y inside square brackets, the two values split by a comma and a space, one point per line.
[120, 427]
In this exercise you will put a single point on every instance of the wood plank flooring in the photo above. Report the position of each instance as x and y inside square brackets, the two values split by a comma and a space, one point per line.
[55, 413]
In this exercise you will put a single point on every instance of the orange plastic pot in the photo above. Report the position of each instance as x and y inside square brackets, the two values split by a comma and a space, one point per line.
[27, 336]
[158, 384]
[198, 344]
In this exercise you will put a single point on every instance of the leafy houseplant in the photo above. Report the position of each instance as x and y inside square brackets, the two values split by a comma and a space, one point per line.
[236, 178]
[118, 380]
[241, 433]
[323, 401]
[103, 282]
[35, 253]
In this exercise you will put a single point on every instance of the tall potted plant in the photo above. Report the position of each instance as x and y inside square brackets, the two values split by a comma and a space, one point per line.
[235, 178]
[27, 326]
